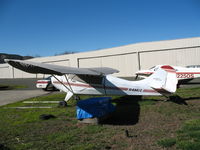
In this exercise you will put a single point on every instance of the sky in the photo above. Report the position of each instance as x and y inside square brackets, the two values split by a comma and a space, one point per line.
[50, 27]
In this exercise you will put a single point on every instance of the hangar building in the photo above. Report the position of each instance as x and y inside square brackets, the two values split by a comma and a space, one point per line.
[127, 59]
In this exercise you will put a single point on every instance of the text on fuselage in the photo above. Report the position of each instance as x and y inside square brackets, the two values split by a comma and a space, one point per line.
[135, 90]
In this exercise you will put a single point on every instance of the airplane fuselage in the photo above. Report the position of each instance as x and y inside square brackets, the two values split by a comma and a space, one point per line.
[182, 73]
[106, 85]
[98, 81]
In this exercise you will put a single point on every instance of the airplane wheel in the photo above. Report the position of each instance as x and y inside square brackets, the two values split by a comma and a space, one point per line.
[77, 98]
[63, 104]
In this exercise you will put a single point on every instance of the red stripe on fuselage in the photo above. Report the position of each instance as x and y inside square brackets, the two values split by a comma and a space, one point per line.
[92, 86]
[42, 82]
[110, 88]
[149, 91]
[149, 73]
[156, 91]
[187, 72]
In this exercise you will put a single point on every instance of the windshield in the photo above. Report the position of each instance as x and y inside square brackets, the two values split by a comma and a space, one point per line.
[48, 78]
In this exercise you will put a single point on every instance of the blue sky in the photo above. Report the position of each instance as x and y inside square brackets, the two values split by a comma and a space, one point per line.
[49, 27]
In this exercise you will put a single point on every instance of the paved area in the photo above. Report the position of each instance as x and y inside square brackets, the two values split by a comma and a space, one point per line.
[11, 96]
[30, 83]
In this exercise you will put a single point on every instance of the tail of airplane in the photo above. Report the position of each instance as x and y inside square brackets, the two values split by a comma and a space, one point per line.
[163, 79]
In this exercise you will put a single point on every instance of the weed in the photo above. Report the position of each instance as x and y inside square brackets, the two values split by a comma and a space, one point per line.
[189, 135]
[12, 87]
[167, 142]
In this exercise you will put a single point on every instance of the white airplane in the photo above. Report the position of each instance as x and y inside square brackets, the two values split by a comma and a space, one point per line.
[183, 74]
[98, 81]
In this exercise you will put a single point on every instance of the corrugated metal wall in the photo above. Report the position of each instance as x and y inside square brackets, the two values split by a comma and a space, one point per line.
[127, 59]
[5, 71]
[178, 57]
[127, 64]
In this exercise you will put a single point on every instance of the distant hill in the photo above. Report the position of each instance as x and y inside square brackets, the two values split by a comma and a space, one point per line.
[12, 56]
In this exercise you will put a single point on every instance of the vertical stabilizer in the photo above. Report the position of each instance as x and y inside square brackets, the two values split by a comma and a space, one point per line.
[163, 79]
[171, 79]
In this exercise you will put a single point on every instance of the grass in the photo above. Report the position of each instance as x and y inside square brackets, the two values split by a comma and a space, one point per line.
[189, 135]
[11, 87]
[151, 124]
[167, 142]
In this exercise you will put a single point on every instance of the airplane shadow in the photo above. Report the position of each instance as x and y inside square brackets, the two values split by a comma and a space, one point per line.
[126, 113]
[127, 110]
[178, 100]
[182, 101]
[4, 88]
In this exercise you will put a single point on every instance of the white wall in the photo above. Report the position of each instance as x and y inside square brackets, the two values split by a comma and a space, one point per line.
[5, 71]
[128, 59]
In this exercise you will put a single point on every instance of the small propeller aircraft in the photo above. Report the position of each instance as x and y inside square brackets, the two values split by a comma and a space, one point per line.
[98, 81]
[183, 74]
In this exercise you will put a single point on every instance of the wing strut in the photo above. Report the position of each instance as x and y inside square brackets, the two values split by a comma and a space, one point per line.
[70, 92]
[70, 88]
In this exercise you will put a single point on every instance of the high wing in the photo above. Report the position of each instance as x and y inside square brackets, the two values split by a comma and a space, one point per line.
[35, 67]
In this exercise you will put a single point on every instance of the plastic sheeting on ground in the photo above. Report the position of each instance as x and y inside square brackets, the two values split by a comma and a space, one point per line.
[94, 107]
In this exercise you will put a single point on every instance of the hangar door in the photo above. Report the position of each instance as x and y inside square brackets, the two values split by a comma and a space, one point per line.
[127, 64]
[5, 72]
[180, 57]
[21, 74]
[59, 62]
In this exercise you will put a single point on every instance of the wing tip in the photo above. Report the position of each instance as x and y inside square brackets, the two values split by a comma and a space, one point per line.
[7, 60]
[168, 68]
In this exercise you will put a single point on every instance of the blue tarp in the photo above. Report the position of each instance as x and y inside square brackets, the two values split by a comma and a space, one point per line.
[94, 107]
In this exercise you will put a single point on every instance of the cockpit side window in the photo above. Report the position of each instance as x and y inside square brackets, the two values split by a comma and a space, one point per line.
[89, 79]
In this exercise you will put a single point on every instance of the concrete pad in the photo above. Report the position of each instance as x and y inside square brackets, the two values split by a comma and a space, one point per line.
[11, 96]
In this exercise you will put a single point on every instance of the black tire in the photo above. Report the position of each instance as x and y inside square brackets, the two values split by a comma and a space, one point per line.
[77, 98]
[63, 104]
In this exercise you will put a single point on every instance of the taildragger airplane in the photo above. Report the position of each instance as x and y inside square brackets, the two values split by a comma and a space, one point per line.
[98, 81]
